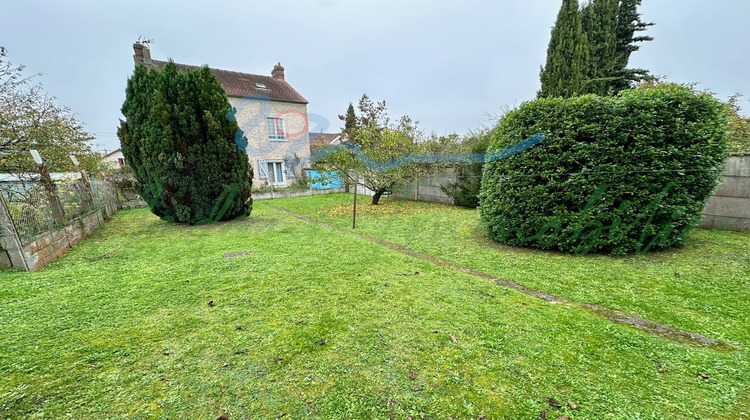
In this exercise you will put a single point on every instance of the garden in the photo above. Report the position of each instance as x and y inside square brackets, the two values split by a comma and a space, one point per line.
[270, 316]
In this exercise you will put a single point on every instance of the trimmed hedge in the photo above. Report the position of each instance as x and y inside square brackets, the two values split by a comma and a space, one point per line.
[623, 174]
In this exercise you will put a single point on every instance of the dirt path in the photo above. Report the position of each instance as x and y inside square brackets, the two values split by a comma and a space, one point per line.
[643, 324]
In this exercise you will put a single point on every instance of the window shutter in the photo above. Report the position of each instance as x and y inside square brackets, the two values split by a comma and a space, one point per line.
[262, 169]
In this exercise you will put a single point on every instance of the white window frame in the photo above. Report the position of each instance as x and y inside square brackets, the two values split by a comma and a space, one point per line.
[279, 135]
[272, 174]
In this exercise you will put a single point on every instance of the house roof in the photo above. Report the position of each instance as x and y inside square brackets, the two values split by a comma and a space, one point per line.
[319, 140]
[112, 153]
[238, 84]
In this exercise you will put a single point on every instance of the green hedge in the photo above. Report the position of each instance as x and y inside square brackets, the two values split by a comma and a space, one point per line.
[623, 174]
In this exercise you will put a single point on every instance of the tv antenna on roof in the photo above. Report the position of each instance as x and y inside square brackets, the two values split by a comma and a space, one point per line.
[146, 41]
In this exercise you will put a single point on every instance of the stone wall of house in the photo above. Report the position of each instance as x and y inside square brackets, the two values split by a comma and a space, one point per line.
[251, 116]
[729, 206]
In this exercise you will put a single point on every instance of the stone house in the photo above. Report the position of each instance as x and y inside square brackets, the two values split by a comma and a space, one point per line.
[270, 112]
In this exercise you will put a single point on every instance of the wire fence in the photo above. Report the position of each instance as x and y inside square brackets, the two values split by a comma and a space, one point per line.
[36, 208]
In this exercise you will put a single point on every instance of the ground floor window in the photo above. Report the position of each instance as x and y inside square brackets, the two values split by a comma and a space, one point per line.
[276, 172]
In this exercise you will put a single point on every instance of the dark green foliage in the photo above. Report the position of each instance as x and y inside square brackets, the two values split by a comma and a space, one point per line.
[607, 31]
[617, 174]
[465, 191]
[350, 122]
[181, 146]
[567, 65]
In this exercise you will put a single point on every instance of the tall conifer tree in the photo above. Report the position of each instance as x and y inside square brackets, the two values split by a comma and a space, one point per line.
[567, 65]
[181, 145]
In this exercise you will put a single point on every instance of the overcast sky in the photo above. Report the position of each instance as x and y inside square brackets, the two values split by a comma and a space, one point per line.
[447, 64]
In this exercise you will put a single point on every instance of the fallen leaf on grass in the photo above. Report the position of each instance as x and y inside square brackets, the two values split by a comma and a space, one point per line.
[412, 375]
[663, 370]
[454, 339]
[543, 415]
[322, 342]
[563, 418]
[417, 389]
[279, 360]
[658, 363]
[210, 303]
[223, 417]
[704, 376]
[422, 415]
[281, 415]
[553, 402]
[572, 405]
[482, 417]
[434, 331]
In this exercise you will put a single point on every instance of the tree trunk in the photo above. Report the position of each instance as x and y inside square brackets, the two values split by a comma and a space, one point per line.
[376, 197]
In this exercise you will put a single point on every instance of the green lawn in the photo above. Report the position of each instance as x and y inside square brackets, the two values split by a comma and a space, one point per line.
[316, 323]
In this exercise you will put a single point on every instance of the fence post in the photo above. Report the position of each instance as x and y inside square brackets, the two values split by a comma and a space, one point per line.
[10, 241]
[54, 201]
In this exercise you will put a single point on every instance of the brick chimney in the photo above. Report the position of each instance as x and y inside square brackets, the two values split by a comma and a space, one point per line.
[278, 71]
[142, 54]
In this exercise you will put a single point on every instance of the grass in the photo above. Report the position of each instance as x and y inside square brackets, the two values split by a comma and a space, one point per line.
[316, 323]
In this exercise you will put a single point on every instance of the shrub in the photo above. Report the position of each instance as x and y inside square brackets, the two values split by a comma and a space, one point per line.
[465, 191]
[182, 147]
[618, 174]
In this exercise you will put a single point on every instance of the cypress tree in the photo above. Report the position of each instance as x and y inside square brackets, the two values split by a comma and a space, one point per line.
[567, 67]
[181, 146]
[599, 19]
[629, 24]
[350, 121]
[609, 36]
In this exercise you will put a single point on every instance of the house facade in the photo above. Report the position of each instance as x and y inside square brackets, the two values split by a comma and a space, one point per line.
[114, 159]
[271, 114]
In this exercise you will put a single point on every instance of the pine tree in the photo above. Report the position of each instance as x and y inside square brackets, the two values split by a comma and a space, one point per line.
[181, 146]
[567, 67]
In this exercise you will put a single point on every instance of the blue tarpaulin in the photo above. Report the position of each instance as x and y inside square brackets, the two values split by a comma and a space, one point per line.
[322, 181]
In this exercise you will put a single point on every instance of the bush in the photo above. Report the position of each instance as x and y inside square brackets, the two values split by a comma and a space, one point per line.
[619, 174]
[465, 191]
[182, 147]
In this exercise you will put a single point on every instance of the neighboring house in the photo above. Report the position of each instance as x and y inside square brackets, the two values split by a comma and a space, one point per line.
[270, 112]
[320, 140]
[114, 160]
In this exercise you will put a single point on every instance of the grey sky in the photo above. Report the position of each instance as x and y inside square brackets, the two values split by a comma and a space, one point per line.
[447, 64]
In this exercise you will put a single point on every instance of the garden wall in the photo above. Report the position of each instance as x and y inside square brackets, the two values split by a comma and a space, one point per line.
[292, 193]
[729, 206]
[427, 188]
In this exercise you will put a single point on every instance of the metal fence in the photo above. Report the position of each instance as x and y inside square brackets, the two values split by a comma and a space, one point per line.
[36, 208]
